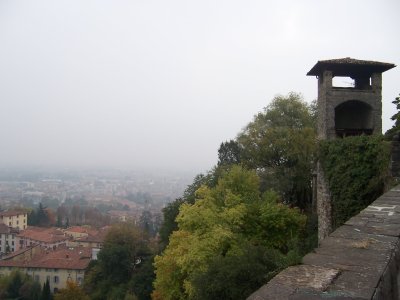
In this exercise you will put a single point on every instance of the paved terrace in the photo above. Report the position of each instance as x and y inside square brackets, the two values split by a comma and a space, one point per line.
[360, 260]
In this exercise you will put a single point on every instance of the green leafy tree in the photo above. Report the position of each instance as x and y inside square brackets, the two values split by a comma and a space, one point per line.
[229, 153]
[19, 286]
[220, 224]
[227, 277]
[14, 285]
[171, 211]
[30, 290]
[71, 292]
[124, 250]
[280, 143]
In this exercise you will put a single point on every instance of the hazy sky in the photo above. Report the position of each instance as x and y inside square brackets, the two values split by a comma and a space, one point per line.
[147, 83]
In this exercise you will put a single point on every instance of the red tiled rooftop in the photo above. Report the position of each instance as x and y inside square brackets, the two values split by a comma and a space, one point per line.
[77, 229]
[62, 258]
[46, 235]
[81, 229]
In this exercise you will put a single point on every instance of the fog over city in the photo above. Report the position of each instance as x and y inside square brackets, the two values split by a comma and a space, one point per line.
[160, 84]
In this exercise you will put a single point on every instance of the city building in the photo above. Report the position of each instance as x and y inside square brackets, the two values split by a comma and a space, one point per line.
[79, 231]
[9, 241]
[94, 240]
[15, 219]
[49, 238]
[58, 266]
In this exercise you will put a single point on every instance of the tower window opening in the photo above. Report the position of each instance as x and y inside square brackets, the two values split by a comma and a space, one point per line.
[353, 118]
[343, 82]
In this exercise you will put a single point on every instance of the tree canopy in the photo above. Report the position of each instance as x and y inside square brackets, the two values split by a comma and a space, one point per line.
[242, 209]
[280, 143]
[124, 252]
[72, 291]
[19, 286]
[221, 224]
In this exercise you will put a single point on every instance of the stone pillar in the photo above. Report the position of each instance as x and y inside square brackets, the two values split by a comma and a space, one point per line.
[324, 205]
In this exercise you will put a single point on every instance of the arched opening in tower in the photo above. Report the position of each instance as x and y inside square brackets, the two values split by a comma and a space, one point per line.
[353, 118]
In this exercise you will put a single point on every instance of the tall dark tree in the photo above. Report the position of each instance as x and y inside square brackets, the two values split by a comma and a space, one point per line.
[39, 217]
[46, 293]
[146, 222]
[14, 285]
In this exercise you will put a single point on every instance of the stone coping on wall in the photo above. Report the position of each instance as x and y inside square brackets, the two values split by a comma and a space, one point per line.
[359, 260]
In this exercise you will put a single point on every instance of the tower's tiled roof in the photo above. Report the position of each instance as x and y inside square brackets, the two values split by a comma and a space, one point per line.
[349, 66]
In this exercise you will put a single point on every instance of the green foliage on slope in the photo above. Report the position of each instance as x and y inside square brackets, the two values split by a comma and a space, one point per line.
[234, 227]
[223, 224]
[356, 169]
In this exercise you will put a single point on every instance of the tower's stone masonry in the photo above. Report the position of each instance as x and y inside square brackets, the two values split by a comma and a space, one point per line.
[345, 111]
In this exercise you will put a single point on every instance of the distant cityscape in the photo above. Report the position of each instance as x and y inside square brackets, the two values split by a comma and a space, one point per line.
[53, 224]
[118, 193]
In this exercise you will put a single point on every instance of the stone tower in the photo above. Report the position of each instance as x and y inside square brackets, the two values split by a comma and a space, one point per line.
[345, 111]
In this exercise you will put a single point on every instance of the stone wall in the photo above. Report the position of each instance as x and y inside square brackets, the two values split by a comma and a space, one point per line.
[359, 260]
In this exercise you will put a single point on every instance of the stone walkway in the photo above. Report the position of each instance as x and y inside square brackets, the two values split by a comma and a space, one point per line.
[360, 260]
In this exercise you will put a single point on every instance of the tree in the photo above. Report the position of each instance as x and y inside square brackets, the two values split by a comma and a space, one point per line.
[228, 277]
[19, 286]
[170, 212]
[221, 223]
[396, 118]
[46, 293]
[62, 215]
[146, 222]
[229, 153]
[14, 285]
[141, 283]
[30, 290]
[280, 143]
[39, 217]
[123, 252]
[72, 291]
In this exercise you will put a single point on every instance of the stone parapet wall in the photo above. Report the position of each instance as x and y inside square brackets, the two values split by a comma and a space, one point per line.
[359, 260]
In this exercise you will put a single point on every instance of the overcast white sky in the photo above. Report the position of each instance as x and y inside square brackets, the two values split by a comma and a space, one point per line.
[150, 83]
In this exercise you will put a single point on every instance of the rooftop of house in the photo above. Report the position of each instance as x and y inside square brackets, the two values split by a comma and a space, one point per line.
[77, 258]
[4, 229]
[11, 213]
[17, 254]
[44, 235]
[93, 238]
[350, 67]
[80, 229]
